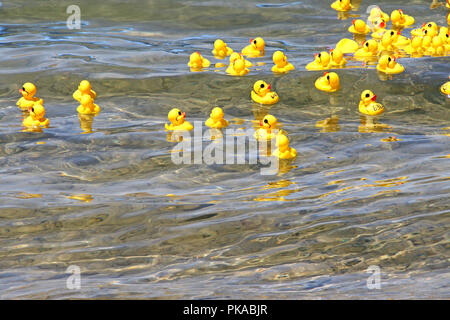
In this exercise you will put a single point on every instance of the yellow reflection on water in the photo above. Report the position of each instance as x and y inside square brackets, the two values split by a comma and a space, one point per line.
[25, 195]
[370, 124]
[329, 124]
[86, 121]
[81, 197]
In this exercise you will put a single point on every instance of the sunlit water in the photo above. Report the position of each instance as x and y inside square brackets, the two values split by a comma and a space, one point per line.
[139, 226]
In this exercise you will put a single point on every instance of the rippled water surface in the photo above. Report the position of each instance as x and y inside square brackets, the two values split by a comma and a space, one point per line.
[112, 202]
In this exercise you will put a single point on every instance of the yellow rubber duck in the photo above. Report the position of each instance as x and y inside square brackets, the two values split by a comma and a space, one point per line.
[197, 62]
[177, 121]
[448, 4]
[281, 63]
[347, 45]
[36, 117]
[445, 89]
[369, 49]
[378, 13]
[261, 93]
[337, 58]
[388, 65]
[388, 40]
[321, 61]
[221, 50]
[342, 5]
[28, 99]
[216, 119]
[266, 125]
[84, 88]
[445, 35]
[255, 49]
[284, 151]
[236, 55]
[401, 20]
[368, 104]
[237, 68]
[87, 105]
[329, 82]
[415, 48]
[378, 28]
[359, 27]
[437, 47]
[428, 29]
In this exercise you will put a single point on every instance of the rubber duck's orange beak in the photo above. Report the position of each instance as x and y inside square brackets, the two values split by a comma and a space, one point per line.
[353, 22]
[382, 24]
[400, 10]
[325, 74]
[251, 40]
[184, 115]
[269, 87]
[20, 90]
[260, 123]
[398, 32]
[374, 98]
[424, 24]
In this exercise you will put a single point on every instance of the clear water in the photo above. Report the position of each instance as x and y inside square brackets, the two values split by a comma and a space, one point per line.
[113, 203]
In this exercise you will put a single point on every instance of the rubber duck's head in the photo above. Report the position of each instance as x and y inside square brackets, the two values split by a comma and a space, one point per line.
[282, 142]
[37, 111]
[336, 55]
[389, 37]
[437, 42]
[359, 25]
[430, 29]
[216, 113]
[86, 100]
[371, 46]
[196, 59]
[446, 88]
[261, 88]
[234, 56]
[387, 61]
[322, 58]
[279, 59]
[84, 86]
[176, 117]
[28, 90]
[397, 16]
[219, 44]
[268, 122]
[257, 43]
[368, 97]
[345, 4]
[333, 79]
[379, 23]
[238, 65]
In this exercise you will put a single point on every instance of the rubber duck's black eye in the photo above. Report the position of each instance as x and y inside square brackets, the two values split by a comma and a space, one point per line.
[254, 41]
[328, 78]
[367, 95]
[429, 25]
[319, 55]
[23, 89]
[426, 31]
[179, 113]
[266, 121]
[32, 109]
[392, 33]
[262, 85]
[367, 44]
[389, 59]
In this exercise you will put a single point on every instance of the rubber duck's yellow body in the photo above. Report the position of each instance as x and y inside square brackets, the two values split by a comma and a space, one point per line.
[388, 40]
[221, 50]
[321, 61]
[261, 93]
[415, 48]
[401, 20]
[359, 27]
[28, 99]
[329, 82]
[342, 5]
[87, 105]
[437, 47]
[197, 62]
[281, 63]
[237, 68]
[266, 129]
[177, 121]
[236, 55]
[445, 89]
[84, 88]
[388, 65]
[36, 117]
[216, 119]
[255, 49]
[337, 59]
[368, 104]
[347, 45]
[369, 49]
[284, 151]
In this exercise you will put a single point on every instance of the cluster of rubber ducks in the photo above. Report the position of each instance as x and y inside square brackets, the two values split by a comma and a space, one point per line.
[34, 111]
